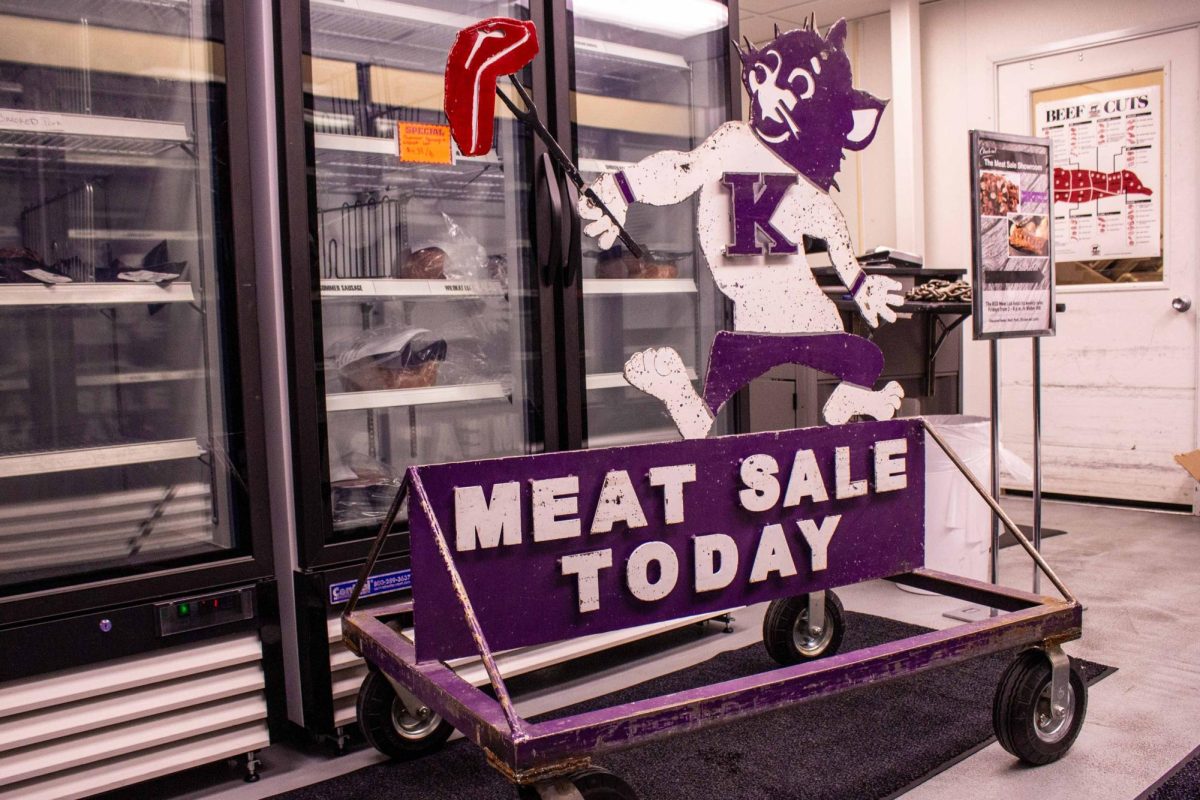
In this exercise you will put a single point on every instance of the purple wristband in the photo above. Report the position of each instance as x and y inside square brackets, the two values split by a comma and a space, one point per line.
[858, 283]
[623, 184]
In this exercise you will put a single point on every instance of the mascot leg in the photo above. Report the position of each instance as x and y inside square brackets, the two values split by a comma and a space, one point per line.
[738, 358]
[660, 372]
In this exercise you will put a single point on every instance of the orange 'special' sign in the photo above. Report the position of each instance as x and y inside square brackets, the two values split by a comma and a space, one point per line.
[424, 142]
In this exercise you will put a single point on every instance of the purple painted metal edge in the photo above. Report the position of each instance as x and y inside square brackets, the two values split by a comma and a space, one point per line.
[474, 714]
[480, 718]
[621, 726]
[969, 590]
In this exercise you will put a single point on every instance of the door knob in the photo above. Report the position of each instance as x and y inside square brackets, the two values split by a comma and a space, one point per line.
[1181, 304]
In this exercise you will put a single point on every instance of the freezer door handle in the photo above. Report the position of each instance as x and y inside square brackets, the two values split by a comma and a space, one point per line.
[549, 209]
[570, 229]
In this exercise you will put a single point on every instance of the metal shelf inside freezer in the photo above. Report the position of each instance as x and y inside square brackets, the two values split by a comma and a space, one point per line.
[95, 294]
[422, 396]
[358, 288]
[23, 464]
[86, 133]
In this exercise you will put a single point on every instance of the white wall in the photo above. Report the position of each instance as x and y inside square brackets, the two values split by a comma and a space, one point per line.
[961, 40]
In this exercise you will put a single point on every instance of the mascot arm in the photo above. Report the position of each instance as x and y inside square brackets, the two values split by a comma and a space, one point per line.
[662, 179]
[875, 295]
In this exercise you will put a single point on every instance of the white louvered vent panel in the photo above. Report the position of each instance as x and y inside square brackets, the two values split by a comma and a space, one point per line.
[345, 711]
[347, 681]
[79, 732]
[108, 775]
[38, 726]
[129, 737]
[121, 674]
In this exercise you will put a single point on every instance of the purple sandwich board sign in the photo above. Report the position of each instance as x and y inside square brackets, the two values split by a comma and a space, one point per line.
[559, 545]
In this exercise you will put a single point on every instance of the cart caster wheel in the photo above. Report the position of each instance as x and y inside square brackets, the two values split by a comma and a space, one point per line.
[397, 724]
[1021, 711]
[786, 635]
[591, 784]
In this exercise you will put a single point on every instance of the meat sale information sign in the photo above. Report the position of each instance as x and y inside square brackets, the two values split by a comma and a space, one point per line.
[558, 545]
[1011, 225]
[1107, 173]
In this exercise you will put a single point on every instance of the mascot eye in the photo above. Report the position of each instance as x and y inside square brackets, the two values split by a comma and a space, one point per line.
[809, 84]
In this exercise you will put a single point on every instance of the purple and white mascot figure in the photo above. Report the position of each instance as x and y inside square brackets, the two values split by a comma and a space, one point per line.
[763, 185]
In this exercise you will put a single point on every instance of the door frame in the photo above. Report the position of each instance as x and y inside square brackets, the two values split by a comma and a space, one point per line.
[1088, 42]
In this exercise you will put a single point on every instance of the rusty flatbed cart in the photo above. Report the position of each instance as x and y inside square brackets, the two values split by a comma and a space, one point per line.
[412, 701]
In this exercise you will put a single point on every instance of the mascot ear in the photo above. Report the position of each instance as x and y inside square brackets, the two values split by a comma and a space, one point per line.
[837, 34]
[868, 111]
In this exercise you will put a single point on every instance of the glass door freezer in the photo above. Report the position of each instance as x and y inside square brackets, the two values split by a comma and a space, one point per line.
[130, 422]
[417, 326]
[420, 327]
[643, 80]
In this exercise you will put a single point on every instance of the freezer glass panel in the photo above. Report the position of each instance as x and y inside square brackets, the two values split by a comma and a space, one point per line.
[645, 77]
[119, 439]
[426, 318]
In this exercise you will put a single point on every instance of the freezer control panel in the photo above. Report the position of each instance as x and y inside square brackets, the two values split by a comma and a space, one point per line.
[205, 611]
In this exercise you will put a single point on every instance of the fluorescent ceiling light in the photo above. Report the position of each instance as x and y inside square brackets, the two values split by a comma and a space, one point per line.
[676, 18]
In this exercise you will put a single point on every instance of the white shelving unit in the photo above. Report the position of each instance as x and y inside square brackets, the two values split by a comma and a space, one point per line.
[594, 287]
[96, 457]
[616, 380]
[88, 133]
[95, 294]
[378, 149]
[423, 396]
[597, 165]
[398, 287]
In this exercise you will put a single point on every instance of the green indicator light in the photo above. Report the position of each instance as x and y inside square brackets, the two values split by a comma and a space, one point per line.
[184, 609]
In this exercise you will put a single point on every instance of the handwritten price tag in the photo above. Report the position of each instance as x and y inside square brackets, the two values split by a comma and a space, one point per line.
[424, 143]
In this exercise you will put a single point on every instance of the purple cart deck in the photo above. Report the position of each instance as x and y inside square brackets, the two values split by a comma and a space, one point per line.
[527, 752]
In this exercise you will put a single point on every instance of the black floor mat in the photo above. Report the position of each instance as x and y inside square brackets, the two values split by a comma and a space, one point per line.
[1182, 782]
[868, 743]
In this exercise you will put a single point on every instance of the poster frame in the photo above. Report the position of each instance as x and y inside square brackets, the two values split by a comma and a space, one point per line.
[977, 293]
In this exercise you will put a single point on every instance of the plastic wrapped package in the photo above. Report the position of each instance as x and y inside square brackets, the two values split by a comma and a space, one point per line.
[390, 358]
[362, 487]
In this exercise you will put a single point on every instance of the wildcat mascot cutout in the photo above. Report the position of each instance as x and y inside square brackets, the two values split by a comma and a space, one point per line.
[763, 185]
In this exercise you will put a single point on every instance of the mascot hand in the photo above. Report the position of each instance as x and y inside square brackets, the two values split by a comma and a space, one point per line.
[875, 298]
[603, 229]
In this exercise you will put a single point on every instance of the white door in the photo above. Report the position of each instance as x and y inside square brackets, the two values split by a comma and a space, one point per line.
[1119, 378]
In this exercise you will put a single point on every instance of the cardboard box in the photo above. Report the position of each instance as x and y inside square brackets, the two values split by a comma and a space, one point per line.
[1190, 462]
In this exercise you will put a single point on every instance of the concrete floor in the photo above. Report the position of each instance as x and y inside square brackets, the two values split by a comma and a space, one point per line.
[1136, 573]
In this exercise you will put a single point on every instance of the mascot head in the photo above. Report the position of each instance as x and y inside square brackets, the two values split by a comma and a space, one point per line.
[802, 104]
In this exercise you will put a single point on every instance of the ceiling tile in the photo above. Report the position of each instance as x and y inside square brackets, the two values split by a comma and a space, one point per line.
[760, 29]
[762, 6]
[829, 11]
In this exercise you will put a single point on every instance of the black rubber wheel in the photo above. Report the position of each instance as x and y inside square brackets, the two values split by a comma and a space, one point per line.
[1021, 711]
[594, 783]
[785, 630]
[400, 727]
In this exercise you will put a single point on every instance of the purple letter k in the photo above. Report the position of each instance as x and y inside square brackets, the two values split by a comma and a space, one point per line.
[752, 211]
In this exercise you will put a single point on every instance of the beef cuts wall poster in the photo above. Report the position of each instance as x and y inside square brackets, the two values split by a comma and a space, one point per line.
[1013, 293]
[1107, 173]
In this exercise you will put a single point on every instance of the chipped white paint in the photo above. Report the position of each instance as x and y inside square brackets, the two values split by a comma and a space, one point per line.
[587, 566]
[618, 502]
[672, 479]
[818, 538]
[489, 523]
[637, 571]
[762, 488]
[771, 293]
[716, 561]
[846, 487]
[773, 555]
[891, 471]
[555, 504]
